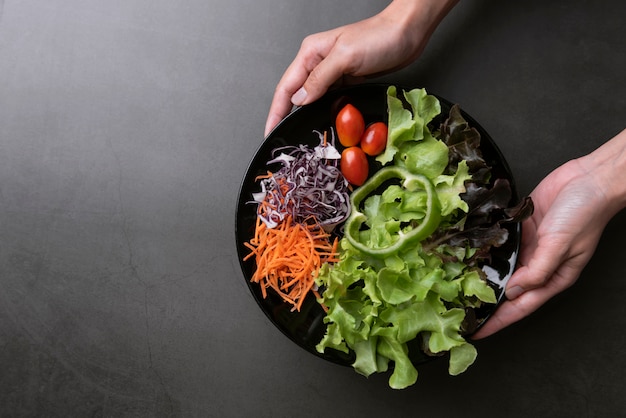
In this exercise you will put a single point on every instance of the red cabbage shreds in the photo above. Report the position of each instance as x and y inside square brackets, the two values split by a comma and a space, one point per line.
[309, 184]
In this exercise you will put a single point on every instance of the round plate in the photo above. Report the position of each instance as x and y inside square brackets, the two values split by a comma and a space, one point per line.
[306, 327]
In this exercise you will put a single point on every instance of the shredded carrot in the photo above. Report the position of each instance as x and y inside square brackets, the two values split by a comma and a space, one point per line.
[275, 197]
[289, 256]
[264, 176]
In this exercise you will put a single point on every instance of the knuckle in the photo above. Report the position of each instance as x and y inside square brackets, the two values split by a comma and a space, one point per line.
[309, 43]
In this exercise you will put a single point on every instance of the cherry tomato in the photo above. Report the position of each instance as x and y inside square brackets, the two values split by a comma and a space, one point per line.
[374, 139]
[350, 125]
[354, 165]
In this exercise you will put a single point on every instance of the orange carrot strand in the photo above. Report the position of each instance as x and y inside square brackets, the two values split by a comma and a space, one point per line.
[288, 258]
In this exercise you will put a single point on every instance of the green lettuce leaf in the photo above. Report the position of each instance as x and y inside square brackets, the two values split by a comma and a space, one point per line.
[404, 373]
[475, 285]
[401, 126]
[450, 189]
[461, 357]
[409, 126]
[428, 157]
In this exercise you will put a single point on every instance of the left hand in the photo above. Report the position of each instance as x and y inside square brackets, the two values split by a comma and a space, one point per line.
[573, 205]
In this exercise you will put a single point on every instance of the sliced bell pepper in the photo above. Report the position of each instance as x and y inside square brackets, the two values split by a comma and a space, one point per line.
[410, 182]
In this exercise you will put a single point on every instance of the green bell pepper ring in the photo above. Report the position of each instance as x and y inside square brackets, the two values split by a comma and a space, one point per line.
[410, 182]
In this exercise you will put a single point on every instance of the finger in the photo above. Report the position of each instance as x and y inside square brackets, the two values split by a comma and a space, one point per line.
[528, 302]
[543, 261]
[512, 311]
[281, 106]
[325, 74]
[292, 80]
[311, 53]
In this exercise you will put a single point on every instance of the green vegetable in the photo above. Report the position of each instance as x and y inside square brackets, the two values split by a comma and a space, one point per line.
[377, 306]
[406, 128]
[429, 216]
[402, 275]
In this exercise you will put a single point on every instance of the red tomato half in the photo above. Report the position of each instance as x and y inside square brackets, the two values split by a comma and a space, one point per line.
[374, 138]
[354, 165]
[350, 125]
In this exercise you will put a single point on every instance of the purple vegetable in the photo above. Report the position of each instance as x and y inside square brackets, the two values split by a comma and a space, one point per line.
[309, 184]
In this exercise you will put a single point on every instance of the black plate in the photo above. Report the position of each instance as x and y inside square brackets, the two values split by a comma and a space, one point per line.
[306, 328]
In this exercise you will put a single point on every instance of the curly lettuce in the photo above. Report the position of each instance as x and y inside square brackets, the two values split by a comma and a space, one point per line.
[376, 306]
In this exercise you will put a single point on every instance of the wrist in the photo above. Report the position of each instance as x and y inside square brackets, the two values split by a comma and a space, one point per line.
[419, 16]
[606, 166]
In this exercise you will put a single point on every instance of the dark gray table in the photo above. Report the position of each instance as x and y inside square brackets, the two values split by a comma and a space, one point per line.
[125, 129]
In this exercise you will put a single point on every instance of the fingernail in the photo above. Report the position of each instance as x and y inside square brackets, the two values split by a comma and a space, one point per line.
[299, 97]
[514, 292]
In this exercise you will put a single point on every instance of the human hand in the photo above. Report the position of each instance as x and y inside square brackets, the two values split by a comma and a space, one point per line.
[573, 205]
[383, 43]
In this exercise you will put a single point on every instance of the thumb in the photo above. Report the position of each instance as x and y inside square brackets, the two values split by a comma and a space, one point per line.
[541, 266]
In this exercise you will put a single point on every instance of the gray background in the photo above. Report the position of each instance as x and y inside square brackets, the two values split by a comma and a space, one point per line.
[125, 130]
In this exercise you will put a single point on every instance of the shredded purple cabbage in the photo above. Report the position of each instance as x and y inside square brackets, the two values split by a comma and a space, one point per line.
[309, 184]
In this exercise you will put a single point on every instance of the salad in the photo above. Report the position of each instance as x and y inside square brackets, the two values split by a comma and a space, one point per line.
[394, 256]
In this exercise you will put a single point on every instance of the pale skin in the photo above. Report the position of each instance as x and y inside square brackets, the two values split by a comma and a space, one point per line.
[381, 44]
[573, 204]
